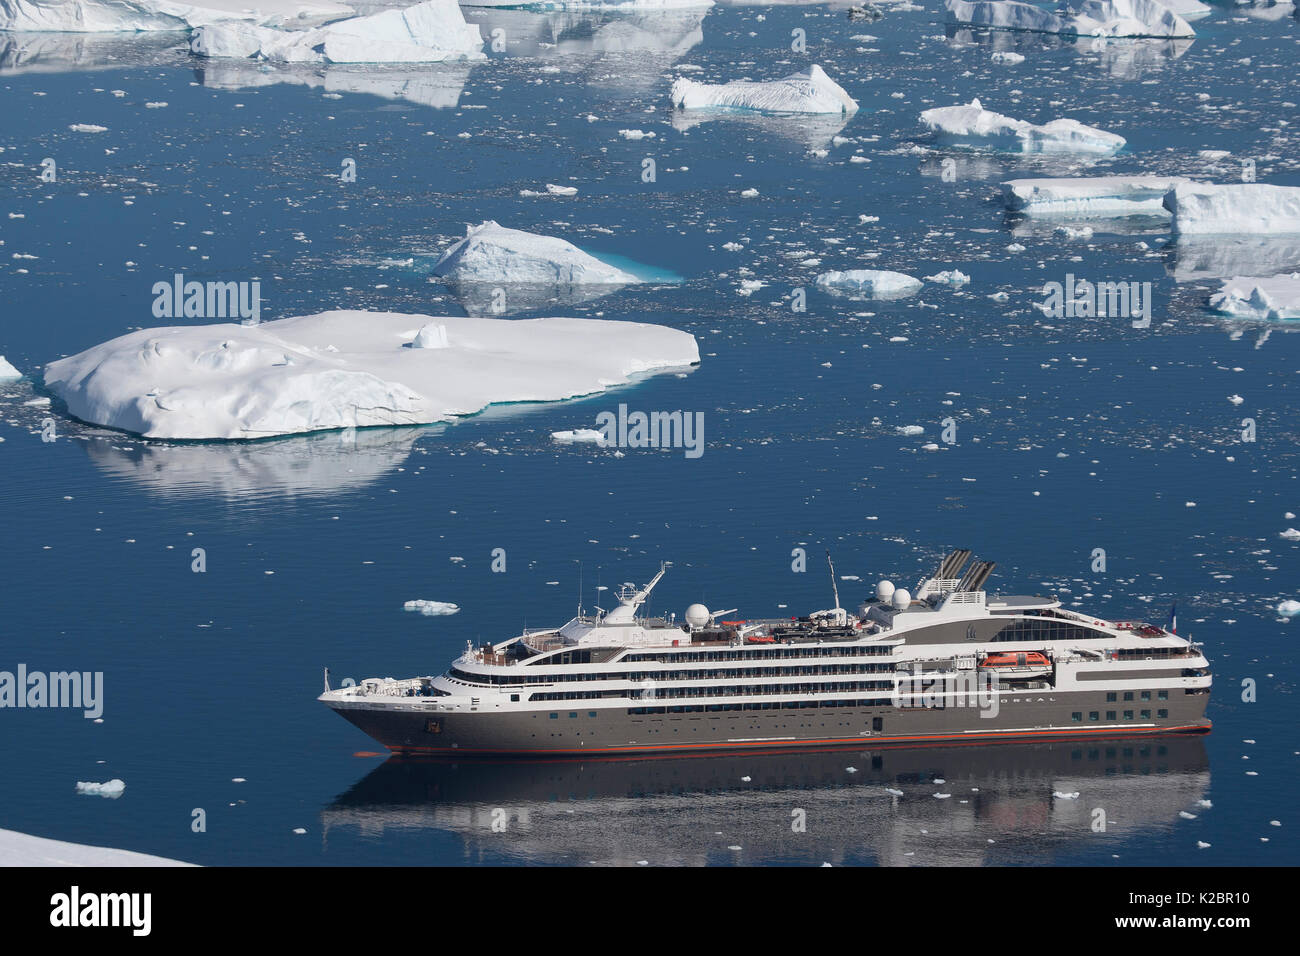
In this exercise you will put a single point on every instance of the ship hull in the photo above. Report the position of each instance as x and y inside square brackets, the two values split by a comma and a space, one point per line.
[621, 731]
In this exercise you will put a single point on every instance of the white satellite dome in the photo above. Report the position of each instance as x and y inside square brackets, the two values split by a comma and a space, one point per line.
[885, 591]
[901, 598]
[697, 615]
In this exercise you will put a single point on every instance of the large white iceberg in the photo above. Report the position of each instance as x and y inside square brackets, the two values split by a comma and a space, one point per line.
[870, 283]
[1254, 297]
[1090, 195]
[1257, 208]
[134, 16]
[22, 849]
[974, 125]
[348, 368]
[491, 253]
[1103, 18]
[427, 32]
[811, 91]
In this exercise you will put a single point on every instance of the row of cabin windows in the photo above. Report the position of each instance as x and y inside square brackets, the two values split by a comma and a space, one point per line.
[766, 705]
[1077, 716]
[761, 654]
[674, 693]
[811, 670]
[1145, 695]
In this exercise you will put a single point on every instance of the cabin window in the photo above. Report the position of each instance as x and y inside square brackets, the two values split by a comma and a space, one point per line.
[573, 713]
[1146, 695]
[1110, 697]
[553, 716]
[1093, 715]
[1110, 714]
[877, 724]
[1162, 695]
[1128, 715]
[591, 713]
[1128, 695]
[1146, 715]
[1077, 716]
[1162, 713]
[514, 697]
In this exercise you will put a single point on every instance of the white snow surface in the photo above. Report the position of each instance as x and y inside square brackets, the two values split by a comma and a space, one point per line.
[348, 368]
[494, 253]
[874, 283]
[811, 91]
[430, 32]
[1091, 195]
[22, 849]
[1103, 18]
[7, 372]
[1256, 208]
[1254, 297]
[135, 16]
[973, 124]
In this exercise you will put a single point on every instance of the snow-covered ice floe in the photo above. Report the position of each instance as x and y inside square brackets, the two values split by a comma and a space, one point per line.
[1102, 18]
[1257, 208]
[111, 788]
[811, 91]
[973, 125]
[1090, 195]
[1254, 297]
[432, 608]
[428, 32]
[870, 283]
[7, 372]
[348, 368]
[22, 849]
[495, 253]
[601, 5]
[136, 16]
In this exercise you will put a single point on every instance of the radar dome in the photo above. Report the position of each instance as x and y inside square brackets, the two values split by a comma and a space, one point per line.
[697, 615]
[901, 598]
[885, 591]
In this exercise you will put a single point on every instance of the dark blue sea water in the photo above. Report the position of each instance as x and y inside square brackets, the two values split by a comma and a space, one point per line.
[1073, 434]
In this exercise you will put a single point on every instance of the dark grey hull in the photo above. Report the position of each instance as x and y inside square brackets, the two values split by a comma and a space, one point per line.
[568, 732]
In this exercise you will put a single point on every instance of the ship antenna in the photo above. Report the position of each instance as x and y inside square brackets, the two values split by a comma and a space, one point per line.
[834, 587]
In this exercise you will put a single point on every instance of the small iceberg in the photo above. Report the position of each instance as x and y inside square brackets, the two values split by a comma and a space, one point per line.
[147, 16]
[1085, 18]
[432, 608]
[870, 283]
[112, 789]
[973, 125]
[1250, 297]
[953, 277]
[811, 91]
[580, 436]
[347, 369]
[7, 372]
[1071, 795]
[1256, 208]
[1085, 196]
[491, 253]
[1288, 608]
[429, 32]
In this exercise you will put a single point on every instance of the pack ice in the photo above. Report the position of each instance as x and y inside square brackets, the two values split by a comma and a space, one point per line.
[811, 91]
[135, 16]
[1084, 196]
[427, 32]
[870, 283]
[1205, 208]
[1252, 297]
[348, 368]
[973, 125]
[1103, 18]
[494, 253]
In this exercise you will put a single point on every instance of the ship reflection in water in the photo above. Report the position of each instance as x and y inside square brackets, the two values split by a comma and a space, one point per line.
[1008, 804]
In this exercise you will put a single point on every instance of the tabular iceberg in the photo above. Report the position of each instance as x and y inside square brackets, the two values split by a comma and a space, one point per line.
[1104, 18]
[135, 16]
[1251, 297]
[428, 32]
[348, 368]
[1204, 208]
[22, 849]
[870, 283]
[1090, 195]
[974, 125]
[494, 253]
[811, 91]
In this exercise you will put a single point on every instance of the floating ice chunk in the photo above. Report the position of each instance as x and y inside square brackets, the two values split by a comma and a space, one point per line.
[1250, 297]
[1007, 57]
[432, 608]
[230, 381]
[973, 125]
[7, 372]
[493, 253]
[1202, 845]
[431, 336]
[555, 190]
[1236, 399]
[942, 796]
[850, 769]
[299, 830]
[745, 779]
[1289, 608]
[1258, 208]
[580, 435]
[87, 128]
[1090, 195]
[911, 430]
[428, 32]
[1186, 816]
[1101, 18]
[111, 789]
[811, 91]
[871, 283]
[1071, 795]
[893, 791]
[953, 277]
[1291, 534]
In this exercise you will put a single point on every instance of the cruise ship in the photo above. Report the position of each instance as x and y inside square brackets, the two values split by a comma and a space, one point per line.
[949, 663]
